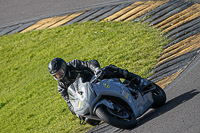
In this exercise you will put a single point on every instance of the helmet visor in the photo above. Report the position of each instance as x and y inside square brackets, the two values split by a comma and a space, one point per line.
[59, 74]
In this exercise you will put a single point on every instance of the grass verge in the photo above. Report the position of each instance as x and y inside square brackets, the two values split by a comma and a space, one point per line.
[29, 101]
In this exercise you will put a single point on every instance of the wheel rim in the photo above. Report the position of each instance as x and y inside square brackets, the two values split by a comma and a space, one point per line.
[120, 112]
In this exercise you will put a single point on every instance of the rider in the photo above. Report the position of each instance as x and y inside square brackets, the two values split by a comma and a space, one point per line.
[67, 73]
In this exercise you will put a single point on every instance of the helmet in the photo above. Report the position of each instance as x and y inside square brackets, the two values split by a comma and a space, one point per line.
[58, 68]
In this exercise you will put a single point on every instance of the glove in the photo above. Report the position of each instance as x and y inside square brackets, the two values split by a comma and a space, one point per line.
[99, 73]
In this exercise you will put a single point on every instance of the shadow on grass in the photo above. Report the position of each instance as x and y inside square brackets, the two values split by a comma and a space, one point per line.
[3, 104]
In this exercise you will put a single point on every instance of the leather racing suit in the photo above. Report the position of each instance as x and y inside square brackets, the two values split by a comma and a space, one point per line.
[85, 70]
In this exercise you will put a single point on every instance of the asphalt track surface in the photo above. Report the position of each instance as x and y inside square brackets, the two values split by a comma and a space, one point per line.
[17, 10]
[181, 114]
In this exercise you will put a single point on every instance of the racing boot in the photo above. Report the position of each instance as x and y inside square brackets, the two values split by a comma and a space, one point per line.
[113, 71]
[137, 81]
[144, 83]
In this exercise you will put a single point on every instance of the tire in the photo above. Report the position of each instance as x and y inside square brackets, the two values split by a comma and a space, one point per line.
[159, 97]
[103, 113]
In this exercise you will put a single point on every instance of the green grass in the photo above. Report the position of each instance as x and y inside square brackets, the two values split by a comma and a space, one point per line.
[29, 101]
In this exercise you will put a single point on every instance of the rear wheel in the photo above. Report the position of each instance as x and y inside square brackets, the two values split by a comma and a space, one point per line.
[119, 117]
[159, 96]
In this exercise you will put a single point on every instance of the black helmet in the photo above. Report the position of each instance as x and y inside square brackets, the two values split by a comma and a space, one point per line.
[57, 68]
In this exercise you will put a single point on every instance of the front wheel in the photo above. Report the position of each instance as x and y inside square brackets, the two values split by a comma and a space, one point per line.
[119, 117]
[159, 96]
